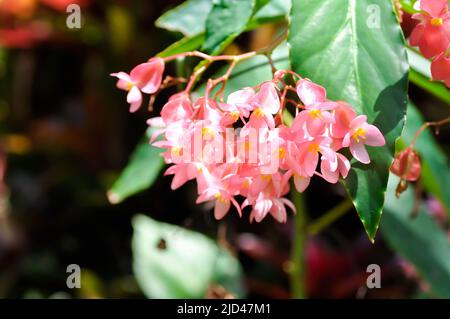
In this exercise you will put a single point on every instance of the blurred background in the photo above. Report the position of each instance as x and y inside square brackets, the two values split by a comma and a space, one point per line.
[66, 135]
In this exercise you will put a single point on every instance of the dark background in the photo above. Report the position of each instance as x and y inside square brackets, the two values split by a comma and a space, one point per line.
[65, 136]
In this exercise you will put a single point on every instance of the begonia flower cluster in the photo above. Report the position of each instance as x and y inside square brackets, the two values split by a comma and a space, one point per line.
[240, 151]
[432, 36]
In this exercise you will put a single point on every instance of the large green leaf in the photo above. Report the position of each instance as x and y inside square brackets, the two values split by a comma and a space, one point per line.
[274, 8]
[140, 173]
[189, 18]
[435, 168]
[227, 19]
[173, 262]
[338, 44]
[420, 240]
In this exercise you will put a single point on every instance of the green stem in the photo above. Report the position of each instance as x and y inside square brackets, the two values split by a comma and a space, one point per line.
[408, 8]
[434, 88]
[329, 217]
[298, 262]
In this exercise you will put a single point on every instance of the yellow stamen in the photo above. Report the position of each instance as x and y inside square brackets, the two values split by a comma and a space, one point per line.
[129, 85]
[266, 177]
[246, 184]
[437, 22]
[176, 151]
[219, 197]
[258, 112]
[315, 114]
[235, 115]
[313, 147]
[281, 153]
[207, 131]
[359, 133]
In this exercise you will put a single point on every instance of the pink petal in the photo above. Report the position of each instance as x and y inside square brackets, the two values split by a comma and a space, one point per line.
[310, 163]
[270, 120]
[440, 68]
[179, 179]
[358, 121]
[278, 211]
[242, 100]
[315, 126]
[434, 41]
[134, 98]
[328, 174]
[299, 121]
[416, 35]
[310, 93]
[148, 75]
[301, 183]
[434, 7]
[156, 122]
[329, 156]
[343, 165]
[124, 80]
[236, 205]
[346, 140]
[326, 106]
[289, 204]
[267, 98]
[176, 110]
[221, 208]
[373, 136]
[359, 152]
[260, 209]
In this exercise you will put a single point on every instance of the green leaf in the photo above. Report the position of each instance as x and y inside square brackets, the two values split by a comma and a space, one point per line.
[227, 19]
[339, 45]
[189, 18]
[275, 8]
[184, 266]
[186, 44]
[435, 168]
[140, 173]
[420, 240]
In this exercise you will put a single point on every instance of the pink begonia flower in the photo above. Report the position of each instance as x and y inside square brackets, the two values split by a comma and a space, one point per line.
[238, 106]
[309, 154]
[270, 199]
[182, 172]
[432, 34]
[266, 103]
[145, 77]
[292, 162]
[343, 115]
[440, 69]
[178, 108]
[206, 109]
[219, 189]
[317, 115]
[407, 165]
[361, 133]
[331, 174]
